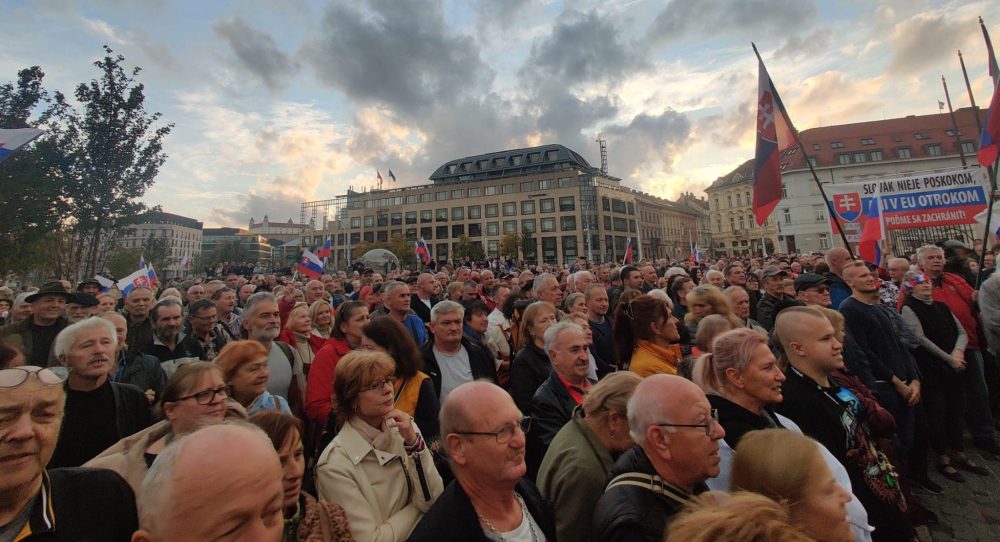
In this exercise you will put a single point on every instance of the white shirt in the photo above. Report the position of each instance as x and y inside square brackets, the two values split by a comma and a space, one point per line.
[455, 370]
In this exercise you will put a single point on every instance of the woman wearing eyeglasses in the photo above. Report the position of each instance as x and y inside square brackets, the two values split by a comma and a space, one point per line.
[244, 367]
[194, 396]
[378, 467]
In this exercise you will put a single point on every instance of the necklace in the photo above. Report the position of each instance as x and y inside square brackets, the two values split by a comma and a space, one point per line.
[527, 517]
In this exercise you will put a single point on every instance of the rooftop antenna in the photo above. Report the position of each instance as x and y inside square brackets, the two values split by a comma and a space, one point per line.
[604, 154]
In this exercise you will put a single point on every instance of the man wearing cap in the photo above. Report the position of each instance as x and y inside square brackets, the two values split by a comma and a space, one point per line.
[59, 504]
[89, 286]
[36, 334]
[771, 282]
[81, 306]
[813, 289]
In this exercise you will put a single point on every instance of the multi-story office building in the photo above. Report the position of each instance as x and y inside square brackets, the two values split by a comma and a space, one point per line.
[279, 231]
[571, 209]
[183, 235]
[258, 249]
[843, 153]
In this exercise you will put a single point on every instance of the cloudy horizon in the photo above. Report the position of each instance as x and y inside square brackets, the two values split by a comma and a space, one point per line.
[279, 103]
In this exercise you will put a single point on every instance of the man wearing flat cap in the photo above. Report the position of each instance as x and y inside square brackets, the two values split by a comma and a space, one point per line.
[813, 289]
[35, 335]
[771, 280]
[89, 286]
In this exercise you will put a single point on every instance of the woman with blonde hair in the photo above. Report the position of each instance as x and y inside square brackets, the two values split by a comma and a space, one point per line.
[575, 303]
[378, 467]
[298, 333]
[735, 517]
[321, 314]
[531, 365]
[705, 300]
[244, 368]
[789, 468]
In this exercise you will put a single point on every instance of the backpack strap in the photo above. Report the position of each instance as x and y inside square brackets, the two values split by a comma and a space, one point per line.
[649, 482]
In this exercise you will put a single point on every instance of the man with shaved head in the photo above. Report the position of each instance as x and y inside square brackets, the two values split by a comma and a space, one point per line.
[829, 412]
[677, 437]
[424, 298]
[483, 435]
[221, 482]
[837, 258]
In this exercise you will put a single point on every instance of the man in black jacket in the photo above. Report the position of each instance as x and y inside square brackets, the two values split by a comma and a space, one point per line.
[423, 299]
[59, 504]
[483, 434]
[98, 412]
[449, 359]
[677, 449]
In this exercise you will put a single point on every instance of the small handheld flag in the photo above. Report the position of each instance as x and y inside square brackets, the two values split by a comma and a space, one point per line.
[11, 140]
[310, 265]
[627, 260]
[420, 249]
[138, 279]
[775, 135]
[142, 262]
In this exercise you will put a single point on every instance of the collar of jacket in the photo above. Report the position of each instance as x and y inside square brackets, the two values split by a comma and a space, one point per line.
[356, 446]
[43, 516]
[662, 352]
[602, 453]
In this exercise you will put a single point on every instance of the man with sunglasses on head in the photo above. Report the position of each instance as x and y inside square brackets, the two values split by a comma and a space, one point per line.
[98, 412]
[483, 436]
[677, 434]
[39, 504]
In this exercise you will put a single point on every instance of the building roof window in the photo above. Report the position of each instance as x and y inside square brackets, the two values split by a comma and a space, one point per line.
[836, 144]
[867, 141]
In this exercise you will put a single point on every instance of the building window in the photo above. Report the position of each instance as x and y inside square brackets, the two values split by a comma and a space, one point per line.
[441, 215]
[492, 228]
[528, 226]
[411, 217]
[510, 209]
[426, 197]
[382, 220]
[369, 221]
[491, 210]
[567, 203]
[836, 144]
[510, 226]
[499, 162]
[843, 159]
[545, 184]
[425, 216]
[396, 219]
[534, 157]
[824, 241]
[867, 141]
[788, 216]
[482, 164]
[475, 212]
[739, 200]
[742, 224]
[933, 150]
[860, 157]
[549, 224]
[567, 223]
[812, 161]
[565, 182]
[549, 250]
[968, 147]
[618, 206]
[382, 235]
[729, 199]
[732, 223]
[355, 238]
[527, 186]
[718, 225]
[491, 190]
[551, 156]
[631, 226]
[457, 194]
[820, 214]
[508, 188]
[427, 233]
[458, 213]
[441, 232]
[473, 192]
[903, 153]
[569, 243]
[548, 205]
[606, 204]
[620, 224]
[528, 207]
[607, 222]
[457, 231]
[442, 251]
[369, 237]
[920, 136]
[441, 196]
[631, 208]
[355, 221]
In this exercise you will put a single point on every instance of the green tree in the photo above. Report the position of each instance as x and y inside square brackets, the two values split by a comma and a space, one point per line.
[528, 245]
[123, 261]
[229, 251]
[156, 250]
[403, 249]
[32, 204]
[509, 245]
[463, 248]
[113, 151]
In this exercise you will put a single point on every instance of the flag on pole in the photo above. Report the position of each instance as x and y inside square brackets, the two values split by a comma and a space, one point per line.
[324, 251]
[695, 254]
[420, 249]
[105, 282]
[151, 274]
[391, 176]
[379, 175]
[13, 139]
[142, 262]
[869, 247]
[310, 265]
[138, 279]
[627, 260]
[775, 135]
[989, 140]
[186, 261]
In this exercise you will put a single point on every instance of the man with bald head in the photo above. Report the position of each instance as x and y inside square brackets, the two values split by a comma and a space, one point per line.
[829, 412]
[483, 435]
[837, 258]
[677, 434]
[424, 298]
[221, 482]
[58, 504]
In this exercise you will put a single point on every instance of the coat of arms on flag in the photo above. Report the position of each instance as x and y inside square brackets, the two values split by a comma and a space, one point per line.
[847, 206]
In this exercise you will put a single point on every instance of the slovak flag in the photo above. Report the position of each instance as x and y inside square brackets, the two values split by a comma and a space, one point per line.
[870, 248]
[142, 262]
[324, 251]
[695, 254]
[775, 135]
[310, 265]
[420, 249]
[138, 279]
[627, 260]
[11, 140]
[989, 140]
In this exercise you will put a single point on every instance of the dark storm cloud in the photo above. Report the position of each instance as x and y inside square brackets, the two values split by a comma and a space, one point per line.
[257, 52]
[711, 18]
[401, 54]
[646, 138]
[922, 42]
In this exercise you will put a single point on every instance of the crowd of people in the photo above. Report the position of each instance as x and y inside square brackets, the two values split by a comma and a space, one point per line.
[791, 398]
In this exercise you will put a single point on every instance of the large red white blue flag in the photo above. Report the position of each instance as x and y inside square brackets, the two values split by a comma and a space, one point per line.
[310, 265]
[422, 252]
[870, 247]
[775, 135]
[989, 140]
[13, 139]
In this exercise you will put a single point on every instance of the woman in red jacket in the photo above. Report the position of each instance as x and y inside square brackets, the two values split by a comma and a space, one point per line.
[345, 336]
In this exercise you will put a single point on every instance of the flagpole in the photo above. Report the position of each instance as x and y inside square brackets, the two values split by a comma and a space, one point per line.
[954, 122]
[805, 157]
[968, 88]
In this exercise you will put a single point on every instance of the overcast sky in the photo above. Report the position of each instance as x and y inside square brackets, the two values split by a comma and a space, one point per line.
[276, 103]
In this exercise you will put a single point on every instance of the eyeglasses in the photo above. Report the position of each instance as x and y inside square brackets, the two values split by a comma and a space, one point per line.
[505, 433]
[207, 397]
[708, 424]
[378, 384]
[15, 376]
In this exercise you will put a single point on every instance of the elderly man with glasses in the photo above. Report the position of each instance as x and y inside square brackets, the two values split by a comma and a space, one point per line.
[56, 504]
[677, 434]
[483, 435]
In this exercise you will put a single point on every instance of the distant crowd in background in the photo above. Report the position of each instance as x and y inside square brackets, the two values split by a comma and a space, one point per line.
[791, 397]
